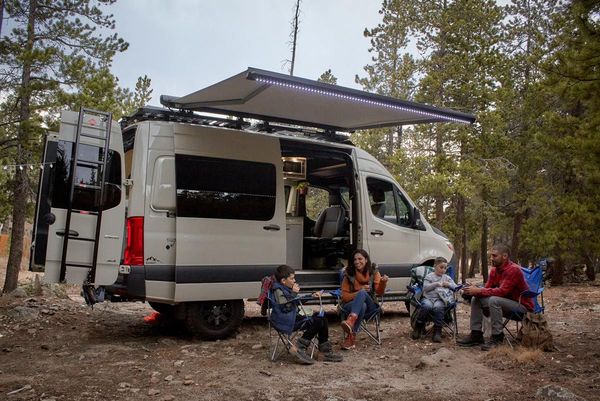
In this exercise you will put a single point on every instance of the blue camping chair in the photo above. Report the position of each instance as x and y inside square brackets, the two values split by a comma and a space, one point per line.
[280, 339]
[415, 289]
[370, 325]
[535, 281]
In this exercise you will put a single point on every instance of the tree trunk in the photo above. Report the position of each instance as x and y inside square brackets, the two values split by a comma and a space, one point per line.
[295, 36]
[590, 267]
[557, 270]
[517, 223]
[460, 223]
[390, 143]
[484, 246]
[15, 254]
[439, 199]
[474, 263]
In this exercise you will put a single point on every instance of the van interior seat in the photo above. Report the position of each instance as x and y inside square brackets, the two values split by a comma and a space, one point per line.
[378, 205]
[330, 232]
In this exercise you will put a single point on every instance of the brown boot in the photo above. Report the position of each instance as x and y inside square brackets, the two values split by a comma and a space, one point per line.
[349, 341]
[348, 324]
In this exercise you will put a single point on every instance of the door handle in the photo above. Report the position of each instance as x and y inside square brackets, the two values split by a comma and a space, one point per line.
[72, 233]
[377, 233]
[271, 227]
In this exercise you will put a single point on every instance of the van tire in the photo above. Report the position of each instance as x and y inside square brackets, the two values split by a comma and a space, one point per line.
[214, 320]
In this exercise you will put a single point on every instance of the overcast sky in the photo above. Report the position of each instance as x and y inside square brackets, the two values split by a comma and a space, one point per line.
[186, 45]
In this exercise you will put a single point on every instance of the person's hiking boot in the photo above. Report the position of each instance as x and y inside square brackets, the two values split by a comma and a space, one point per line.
[473, 339]
[328, 355]
[437, 334]
[348, 324]
[495, 340]
[299, 351]
[349, 341]
[417, 331]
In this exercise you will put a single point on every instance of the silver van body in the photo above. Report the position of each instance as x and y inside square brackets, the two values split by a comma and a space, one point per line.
[191, 211]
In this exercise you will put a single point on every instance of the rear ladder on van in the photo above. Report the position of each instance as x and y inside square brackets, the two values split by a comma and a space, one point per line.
[95, 131]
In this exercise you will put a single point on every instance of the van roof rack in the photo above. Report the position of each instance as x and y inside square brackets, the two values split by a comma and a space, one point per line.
[295, 131]
[183, 116]
[147, 113]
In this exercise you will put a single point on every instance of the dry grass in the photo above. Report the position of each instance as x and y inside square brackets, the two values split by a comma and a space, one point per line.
[515, 356]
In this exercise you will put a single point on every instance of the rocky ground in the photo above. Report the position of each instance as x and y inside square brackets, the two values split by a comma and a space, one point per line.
[53, 347]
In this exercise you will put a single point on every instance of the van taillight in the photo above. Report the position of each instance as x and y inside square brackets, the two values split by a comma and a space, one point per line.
[134, 252]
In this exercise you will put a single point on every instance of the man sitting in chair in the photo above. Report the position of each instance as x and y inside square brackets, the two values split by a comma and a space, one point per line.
[501, 295]
[285, 292]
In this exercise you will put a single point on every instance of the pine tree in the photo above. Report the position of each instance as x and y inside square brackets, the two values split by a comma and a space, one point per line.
[51, 45]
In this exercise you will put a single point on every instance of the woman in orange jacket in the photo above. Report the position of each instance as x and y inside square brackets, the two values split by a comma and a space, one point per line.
[361, 281]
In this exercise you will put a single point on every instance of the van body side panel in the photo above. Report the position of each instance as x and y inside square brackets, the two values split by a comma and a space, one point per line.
[224, 218]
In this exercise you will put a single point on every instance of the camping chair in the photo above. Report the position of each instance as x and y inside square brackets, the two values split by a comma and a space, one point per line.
[535, 281]
[279, 339]
[371, 324]
[415, 289]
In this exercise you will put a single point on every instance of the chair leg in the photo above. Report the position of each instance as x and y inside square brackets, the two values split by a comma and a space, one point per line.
[277, 343]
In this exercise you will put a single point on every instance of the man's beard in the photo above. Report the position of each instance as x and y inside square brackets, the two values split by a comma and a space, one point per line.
[495, 263]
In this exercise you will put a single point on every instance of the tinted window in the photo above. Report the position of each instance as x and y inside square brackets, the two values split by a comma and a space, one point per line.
[85, 196]
[387, 202]
[224, 189]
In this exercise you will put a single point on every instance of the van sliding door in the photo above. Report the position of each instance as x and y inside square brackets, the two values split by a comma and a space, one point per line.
[230, 213]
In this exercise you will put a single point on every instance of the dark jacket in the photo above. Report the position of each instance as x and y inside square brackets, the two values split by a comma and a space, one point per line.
[283, 315]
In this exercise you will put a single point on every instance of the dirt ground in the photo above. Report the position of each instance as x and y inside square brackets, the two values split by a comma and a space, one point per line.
[56, 348]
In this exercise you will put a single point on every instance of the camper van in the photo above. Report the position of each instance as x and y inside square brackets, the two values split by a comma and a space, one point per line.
[188, 211]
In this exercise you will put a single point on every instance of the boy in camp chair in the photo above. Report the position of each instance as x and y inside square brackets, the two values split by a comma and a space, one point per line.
[286, 316]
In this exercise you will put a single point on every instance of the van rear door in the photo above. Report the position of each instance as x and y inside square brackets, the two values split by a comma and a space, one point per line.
[53, 203]
[230, 212]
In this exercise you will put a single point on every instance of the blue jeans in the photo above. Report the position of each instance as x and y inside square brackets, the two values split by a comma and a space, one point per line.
[435, 307]
[363, 306]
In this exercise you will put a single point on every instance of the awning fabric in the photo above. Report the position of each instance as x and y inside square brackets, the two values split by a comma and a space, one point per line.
[275, 97]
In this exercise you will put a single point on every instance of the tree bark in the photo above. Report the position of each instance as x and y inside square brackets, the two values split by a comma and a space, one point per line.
[517, 224]
[295, 36]
[20, 183]
[474, 263]
[484, 246]
[460, 223]
[557, 272]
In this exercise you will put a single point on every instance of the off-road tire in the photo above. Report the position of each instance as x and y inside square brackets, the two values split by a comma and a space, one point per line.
[214, 320]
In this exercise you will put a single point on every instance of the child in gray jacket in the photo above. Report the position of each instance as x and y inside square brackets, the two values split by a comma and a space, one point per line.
[437, 293]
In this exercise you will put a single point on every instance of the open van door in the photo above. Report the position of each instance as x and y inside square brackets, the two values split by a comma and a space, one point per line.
[80, 213]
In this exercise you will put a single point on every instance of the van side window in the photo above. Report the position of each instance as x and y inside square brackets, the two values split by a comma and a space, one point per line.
[215, 188]
[87, 199]
[387, 202]
[317, 200]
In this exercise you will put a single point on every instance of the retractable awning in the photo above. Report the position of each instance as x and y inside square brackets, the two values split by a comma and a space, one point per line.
[275, 97]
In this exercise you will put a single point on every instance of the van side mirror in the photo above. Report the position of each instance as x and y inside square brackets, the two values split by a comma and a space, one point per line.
[417, 223]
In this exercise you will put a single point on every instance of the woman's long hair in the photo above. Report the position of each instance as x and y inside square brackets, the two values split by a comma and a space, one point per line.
[369, 266]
